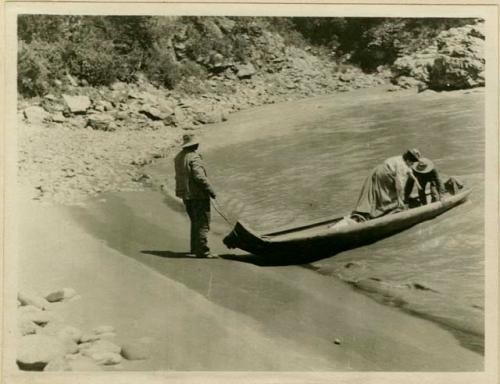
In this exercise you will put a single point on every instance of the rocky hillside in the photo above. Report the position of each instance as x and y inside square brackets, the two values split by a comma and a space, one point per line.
[91, 118]
[182, 53]
[455, 60]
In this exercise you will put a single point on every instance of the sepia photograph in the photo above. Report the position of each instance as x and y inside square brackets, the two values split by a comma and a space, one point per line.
[208, 191]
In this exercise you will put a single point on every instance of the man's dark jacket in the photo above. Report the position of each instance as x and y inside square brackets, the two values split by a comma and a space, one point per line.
[191, 180]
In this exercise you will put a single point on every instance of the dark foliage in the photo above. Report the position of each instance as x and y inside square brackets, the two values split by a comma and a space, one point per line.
[374, 41]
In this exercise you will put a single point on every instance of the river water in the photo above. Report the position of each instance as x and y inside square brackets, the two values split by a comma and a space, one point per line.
[316, 167]
[307, 160]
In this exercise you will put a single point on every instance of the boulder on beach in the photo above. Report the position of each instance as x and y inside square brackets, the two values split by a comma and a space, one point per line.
[166, 107]
[26, 326]
[101, 122]
[78, 122]
[70, 346]
[346, 77]
[60, 364]
[209, 116]
[34, 352]
[77, 104]
[40, 318]
[245, 71]
[103, 106]
[136, 351]
[57, 117]
[52, 104]
[88, 338]
[107, 335]
[216, 61]
[71, 333]
[121, 115]
[31, 298]
[100, 346]
[99, 333]
[35, 115]
[180, 115]
[29, 308]
[134, 94]
[106, 358]
[153, 113]
[60, 295]
[170, 120]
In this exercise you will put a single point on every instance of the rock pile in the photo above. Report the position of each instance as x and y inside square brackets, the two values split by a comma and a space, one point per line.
[47, 343]
[455, 61]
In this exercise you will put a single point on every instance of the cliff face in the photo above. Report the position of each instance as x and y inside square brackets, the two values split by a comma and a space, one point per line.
[455, 60]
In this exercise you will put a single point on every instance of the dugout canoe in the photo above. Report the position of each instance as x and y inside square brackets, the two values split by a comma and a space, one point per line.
[328, 237]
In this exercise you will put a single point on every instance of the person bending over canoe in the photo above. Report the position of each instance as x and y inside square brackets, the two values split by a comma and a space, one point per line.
[425, 173]
[384, 188]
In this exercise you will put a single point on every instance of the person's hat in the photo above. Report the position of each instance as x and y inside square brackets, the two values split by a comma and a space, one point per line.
[189, 140]
[423, 165]
[415, 152]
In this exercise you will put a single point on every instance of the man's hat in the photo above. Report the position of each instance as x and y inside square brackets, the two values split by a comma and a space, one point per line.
[423, 165]
[413, 153]
[189, 140]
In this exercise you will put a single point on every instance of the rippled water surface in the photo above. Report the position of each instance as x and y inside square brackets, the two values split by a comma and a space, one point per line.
[315, 168]
[307, 160]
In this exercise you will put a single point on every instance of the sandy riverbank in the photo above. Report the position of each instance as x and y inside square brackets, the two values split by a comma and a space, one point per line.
[214, 314]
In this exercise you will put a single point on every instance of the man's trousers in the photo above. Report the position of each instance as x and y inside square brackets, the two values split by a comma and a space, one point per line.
[198, 211]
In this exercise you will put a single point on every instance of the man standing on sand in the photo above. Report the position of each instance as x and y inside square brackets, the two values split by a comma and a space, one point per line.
[193, 187]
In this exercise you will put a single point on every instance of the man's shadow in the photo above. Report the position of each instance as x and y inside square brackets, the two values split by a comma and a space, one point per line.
[187, 255]
[170, 254]
[261, 261]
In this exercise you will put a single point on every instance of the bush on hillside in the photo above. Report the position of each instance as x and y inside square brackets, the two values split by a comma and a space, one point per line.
[241, 48]
[93, 61]
[380, 45]
[285, 27]
[39, 65]
[164, 71]
[48, 28]
[32, 73]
